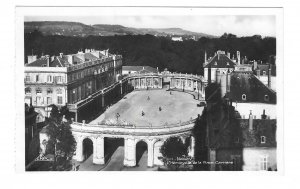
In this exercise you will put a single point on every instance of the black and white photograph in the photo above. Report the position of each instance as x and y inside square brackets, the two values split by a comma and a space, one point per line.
[151, 89]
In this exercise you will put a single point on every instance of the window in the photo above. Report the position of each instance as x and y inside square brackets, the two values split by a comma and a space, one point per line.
[49, 91]
[58, 79]
[262, 139]
[59, 91]
[38, 91]
[27, 90]
[264, 163]
[244, 97]
[267, 98]
[59, 99]
[37, 79]
[49, 78]
[49, 100]
[27, 79]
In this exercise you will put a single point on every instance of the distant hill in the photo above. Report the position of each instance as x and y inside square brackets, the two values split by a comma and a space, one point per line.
[79, 29]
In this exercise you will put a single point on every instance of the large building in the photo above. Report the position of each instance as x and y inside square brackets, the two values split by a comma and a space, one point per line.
[69, 79]
[241, 121]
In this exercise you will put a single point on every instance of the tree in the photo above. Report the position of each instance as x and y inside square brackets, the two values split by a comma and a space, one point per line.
[61, 143]
[173, 149]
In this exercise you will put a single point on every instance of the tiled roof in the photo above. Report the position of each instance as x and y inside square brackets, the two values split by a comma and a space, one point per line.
[89, 56]
[41, 62]
[247, 83]
[220, 61]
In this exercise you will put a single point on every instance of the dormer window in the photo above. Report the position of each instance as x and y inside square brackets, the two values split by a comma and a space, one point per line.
[244, 97]
[262, 139]
[227, 64]
[266, 98]
[216, 63]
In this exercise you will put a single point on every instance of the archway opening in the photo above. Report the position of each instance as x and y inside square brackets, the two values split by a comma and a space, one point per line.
[141, 153]
[113, 147]
[87, 148]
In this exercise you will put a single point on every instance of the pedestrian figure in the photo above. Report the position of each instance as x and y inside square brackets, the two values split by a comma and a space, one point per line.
[148, 98]
[143, 113]
[159, 108]
[170, 92]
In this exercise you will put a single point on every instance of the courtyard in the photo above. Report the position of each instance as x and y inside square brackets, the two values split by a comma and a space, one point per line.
[151, 108]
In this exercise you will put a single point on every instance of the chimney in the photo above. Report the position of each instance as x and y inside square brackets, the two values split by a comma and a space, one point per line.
[228, 55]
[209, 74]
[238, 56]
[218, 76]
[228, 81]
[205, 57]
[254, 65]
[61, 55]
[52, 58]
[258, 73]
[264, 116]
[250, 121]
[269, 76]
[48, 60]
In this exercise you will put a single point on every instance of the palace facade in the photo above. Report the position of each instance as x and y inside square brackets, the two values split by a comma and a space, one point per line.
[69, 79]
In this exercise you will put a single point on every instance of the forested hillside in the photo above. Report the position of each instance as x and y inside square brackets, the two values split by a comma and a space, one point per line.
[184, 57]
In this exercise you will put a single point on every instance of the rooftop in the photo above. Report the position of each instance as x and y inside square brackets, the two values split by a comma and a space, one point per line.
[220, 60]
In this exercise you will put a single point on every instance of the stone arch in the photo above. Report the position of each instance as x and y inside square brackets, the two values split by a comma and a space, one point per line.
[141, 147]
[87, 147]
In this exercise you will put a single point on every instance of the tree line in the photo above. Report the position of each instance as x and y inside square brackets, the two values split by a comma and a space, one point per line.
[138, 50]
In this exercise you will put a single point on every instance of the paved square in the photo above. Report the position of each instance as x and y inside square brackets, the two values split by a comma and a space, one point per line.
[175, 107]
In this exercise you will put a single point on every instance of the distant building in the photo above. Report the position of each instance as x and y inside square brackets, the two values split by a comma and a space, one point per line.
[69, 79]
[177, 38]
[138, 69]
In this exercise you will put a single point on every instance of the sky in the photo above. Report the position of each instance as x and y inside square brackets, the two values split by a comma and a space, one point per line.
[240, 25]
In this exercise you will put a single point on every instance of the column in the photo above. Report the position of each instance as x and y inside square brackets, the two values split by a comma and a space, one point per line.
[129, 157]
[76, 116]
[121, 88]
[150, 152]
[103, 100]
[192, 147]
[212, 158]
[79, 149]
[98, 151]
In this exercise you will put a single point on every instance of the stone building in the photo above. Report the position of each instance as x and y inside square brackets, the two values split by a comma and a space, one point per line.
[239, 139]
[69, 79]
[220, 61]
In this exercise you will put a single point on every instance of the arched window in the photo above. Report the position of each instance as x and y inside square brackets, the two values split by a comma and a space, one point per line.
[267, 98]
[262, 139]
[244, 97]
[27, 90]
